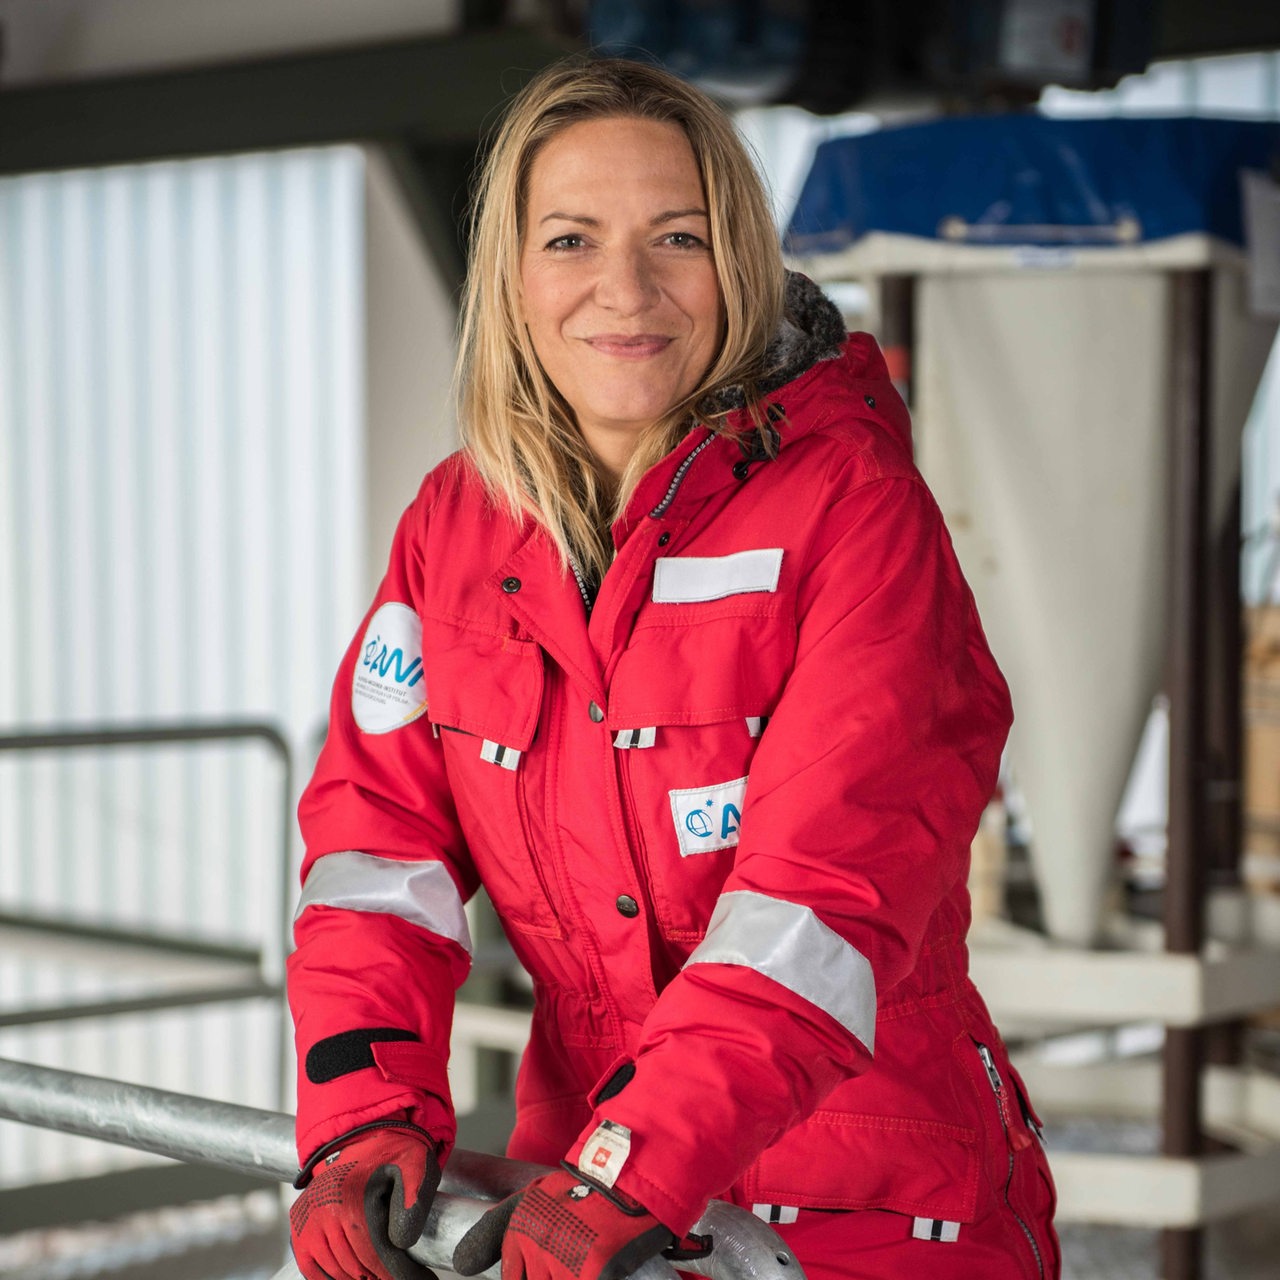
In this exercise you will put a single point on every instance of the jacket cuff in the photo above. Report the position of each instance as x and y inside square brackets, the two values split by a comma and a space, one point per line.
[407, 1082]
[308, 1166]
[677, 1207]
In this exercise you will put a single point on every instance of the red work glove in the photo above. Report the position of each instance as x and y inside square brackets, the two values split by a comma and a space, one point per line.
[365, 1204]
[564, 1226]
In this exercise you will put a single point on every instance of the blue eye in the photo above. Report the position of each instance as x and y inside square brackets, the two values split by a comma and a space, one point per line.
[570, 241]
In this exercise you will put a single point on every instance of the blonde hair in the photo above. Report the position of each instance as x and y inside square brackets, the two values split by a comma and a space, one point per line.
[517, 428]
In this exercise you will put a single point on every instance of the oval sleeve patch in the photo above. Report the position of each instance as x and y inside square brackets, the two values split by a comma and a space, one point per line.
[388, 690]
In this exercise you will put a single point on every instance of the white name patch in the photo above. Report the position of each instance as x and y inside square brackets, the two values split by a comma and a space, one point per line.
[388, 690]
[690, 579]
[708, 818]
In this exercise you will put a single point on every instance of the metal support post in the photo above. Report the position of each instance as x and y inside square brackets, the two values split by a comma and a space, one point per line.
[1188, 810]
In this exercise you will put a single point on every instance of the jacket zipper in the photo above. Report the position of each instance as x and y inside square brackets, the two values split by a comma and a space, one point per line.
[997, 1087]
[587, 598]
[676, 481]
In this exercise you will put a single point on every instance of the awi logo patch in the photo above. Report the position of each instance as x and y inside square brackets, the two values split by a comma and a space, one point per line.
[708, 818]
[388, 689]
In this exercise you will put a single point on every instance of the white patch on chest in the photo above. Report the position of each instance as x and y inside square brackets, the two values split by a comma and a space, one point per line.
[708, 818]
[690, 579]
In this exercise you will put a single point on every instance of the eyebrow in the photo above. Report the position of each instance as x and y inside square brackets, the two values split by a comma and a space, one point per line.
[671, 215]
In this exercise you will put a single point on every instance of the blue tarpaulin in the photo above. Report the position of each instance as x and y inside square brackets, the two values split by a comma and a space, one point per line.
[1030, 180]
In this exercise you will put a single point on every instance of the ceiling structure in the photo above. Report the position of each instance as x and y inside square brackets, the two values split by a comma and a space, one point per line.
[96, 82]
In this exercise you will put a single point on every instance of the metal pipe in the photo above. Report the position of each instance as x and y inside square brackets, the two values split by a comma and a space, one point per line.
[654, 1269]
[197, 1130]
[260, 1143]
[145, 735]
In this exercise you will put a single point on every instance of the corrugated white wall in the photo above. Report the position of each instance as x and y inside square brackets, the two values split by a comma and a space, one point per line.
[181, 537]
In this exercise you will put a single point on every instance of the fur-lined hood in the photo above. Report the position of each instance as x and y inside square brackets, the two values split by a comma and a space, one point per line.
[811, 330]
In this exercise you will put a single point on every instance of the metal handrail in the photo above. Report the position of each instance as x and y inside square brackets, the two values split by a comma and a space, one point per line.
[144, 734]
[159, 734]
[260, 1143]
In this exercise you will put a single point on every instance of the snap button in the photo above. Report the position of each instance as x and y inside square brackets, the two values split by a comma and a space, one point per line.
[871, 401]
[595, 713]
[511, 585]
[627, 906]
[664, 539]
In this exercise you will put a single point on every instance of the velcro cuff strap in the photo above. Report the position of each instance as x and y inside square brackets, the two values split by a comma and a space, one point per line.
[615, 1082]
[348, 1051]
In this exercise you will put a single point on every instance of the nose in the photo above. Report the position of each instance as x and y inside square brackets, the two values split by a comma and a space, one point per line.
[626, 283]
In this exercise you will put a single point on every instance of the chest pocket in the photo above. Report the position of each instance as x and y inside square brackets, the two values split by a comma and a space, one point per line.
[705, 676]
[485, 697]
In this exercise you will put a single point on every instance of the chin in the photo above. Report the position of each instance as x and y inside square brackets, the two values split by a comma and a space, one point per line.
[627, 410]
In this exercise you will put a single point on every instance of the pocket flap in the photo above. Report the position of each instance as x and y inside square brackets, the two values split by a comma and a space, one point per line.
[482, 683]
[842, 1160]
[696, 668]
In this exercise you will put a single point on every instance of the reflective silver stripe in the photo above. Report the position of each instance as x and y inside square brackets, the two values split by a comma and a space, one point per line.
[935, 1229]
[788, 943]
[628, 738]
[423, 893]
[776, 1213]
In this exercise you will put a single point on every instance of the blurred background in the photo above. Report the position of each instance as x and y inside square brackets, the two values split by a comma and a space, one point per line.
[231, 242]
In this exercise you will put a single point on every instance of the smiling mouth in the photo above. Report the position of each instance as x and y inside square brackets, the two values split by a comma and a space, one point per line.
[629, 346]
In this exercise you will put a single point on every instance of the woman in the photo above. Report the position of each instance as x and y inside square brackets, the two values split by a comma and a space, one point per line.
[675, 659]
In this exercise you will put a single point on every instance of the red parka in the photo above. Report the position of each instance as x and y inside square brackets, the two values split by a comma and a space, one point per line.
[725, 819]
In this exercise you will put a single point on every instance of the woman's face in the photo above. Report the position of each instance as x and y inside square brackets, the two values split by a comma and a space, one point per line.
[617, 284]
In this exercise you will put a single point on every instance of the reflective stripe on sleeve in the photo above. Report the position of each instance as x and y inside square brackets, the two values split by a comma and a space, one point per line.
[423, 893]
[788, 943]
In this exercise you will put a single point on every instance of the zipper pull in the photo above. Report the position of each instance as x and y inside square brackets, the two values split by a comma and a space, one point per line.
[992, 1074]
[1019, 1139]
